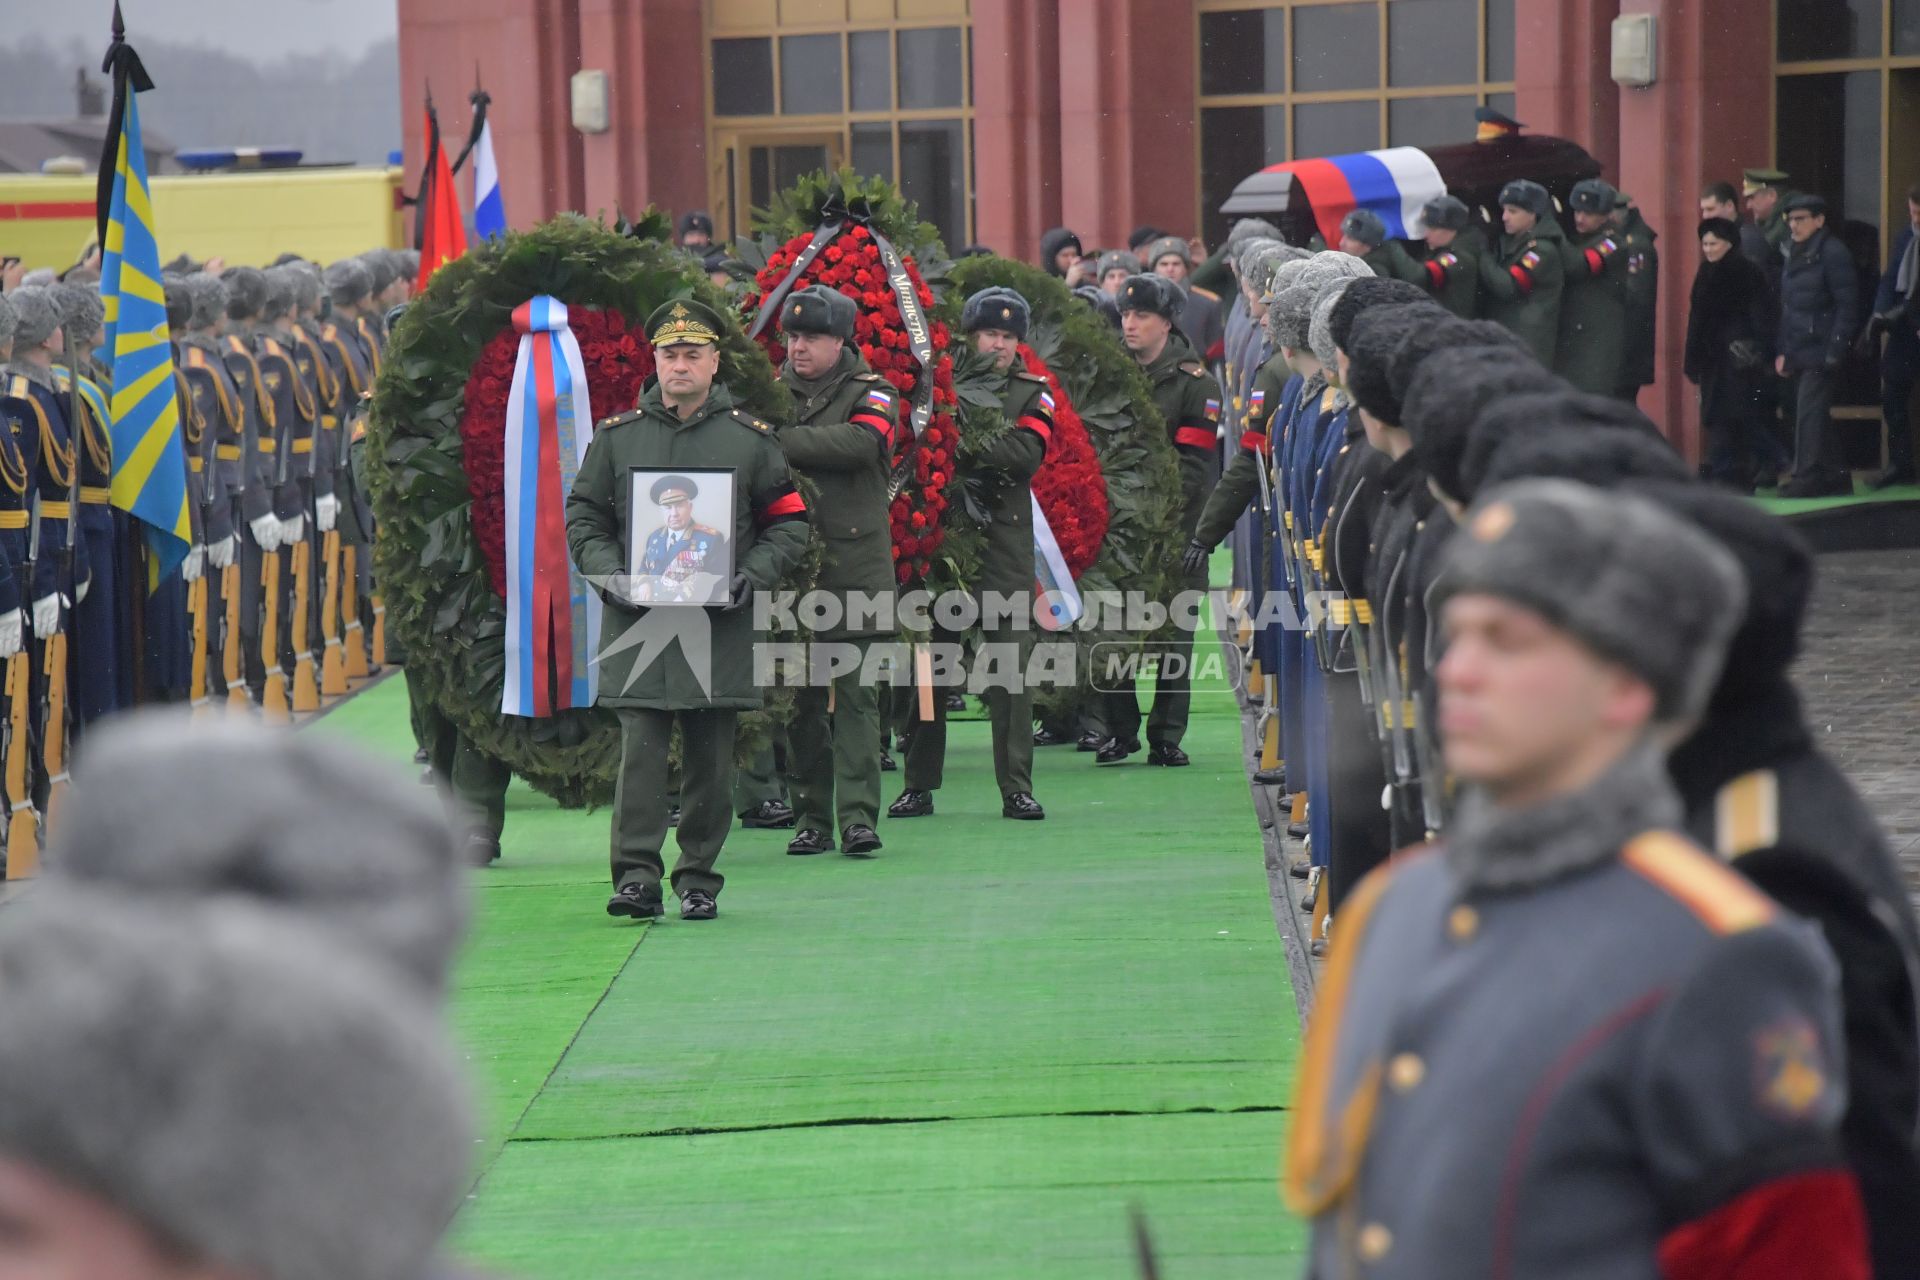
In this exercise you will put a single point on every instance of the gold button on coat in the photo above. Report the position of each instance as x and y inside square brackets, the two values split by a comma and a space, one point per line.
[1463, 922]
[1406, 1071]
[1375, 1241]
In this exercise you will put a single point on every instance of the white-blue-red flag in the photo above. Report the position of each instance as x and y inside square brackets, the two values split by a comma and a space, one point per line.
[489, 214]
[1395, 183]
[553, 619]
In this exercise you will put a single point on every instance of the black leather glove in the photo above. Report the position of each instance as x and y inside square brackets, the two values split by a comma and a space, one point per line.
[1195, 557]
[741, 592]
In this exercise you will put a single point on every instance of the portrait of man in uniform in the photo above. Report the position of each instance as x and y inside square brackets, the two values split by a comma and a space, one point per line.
[678, 548]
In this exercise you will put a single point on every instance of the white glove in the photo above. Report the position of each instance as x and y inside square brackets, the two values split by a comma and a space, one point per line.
[220, 554]
[81, 594]
[194, 565]
[46, 616]
[326, 510]
[266, 533]
[11, 625]
[292, 531]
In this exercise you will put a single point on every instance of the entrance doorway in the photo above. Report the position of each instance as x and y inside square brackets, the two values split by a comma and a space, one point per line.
[752, 166]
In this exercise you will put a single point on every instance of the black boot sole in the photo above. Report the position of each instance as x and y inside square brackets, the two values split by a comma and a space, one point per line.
[629, 911]
[762, 824]
[1024, 817]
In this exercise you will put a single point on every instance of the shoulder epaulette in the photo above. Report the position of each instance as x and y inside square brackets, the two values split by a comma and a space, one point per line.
[867, 375]
[1719, 897]
[1194, 367]
[1206, 293]
[1031, 376]
[618, 419]
[746, 419]
[1746, 814]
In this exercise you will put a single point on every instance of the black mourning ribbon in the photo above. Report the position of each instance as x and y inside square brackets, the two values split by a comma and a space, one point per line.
[123, 66]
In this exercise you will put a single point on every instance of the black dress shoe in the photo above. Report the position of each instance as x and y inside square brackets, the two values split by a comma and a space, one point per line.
[810, 841]
[420, 755]
[1167, 755]
[911, 804]
[860, 841]
[697, 904]
[1819, 486]
[1048, 738]
[956, 702]
[482, 849]
[1090, 741]
[1297, 830]
[768, 815]
[1271, 777]
[1114, 750]
[673, 816]
[1022, 806]
[1299, 865]
[886, 762]
[636, 902]
[1889, 478]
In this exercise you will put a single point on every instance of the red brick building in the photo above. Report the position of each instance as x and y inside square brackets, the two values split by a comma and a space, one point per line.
[1005, 117]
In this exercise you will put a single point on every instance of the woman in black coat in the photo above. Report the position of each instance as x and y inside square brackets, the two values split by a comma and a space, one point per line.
[1730, 325]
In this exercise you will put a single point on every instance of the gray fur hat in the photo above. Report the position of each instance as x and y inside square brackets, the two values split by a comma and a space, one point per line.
[1524, 193]
[1116, 260]
[1249, 228]
[246, 292]
[179, 303]
[1325, 268]
[1320, 328]
[291, 821]
[1260, 265]
[80, 308]
[1365, 226]
[1241, 255]
[381, 268]
[281, 290]
[349, 281]
[8, 319]
[265, 1102]
[818, 309]
[1151, 293]
[209, 297]
[1168, 247]
[36, 314]
[308, 287]
[1634, 582]
[40, 278]
[1290, 316]
[996, 307]
[408, 261]
[1446, 213]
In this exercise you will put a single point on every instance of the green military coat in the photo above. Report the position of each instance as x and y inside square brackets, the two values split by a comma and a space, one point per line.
[1004, 468]
[1593, 312]
[769, 532]
[1241, 480]
[1520, 286]
[841, 441]
[1189, 399]
[1453, 273]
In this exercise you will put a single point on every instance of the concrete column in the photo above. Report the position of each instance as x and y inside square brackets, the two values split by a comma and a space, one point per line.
[656, 150]
[1561, 83]
[1704, 119]
[1016, 123]
[1128, 133]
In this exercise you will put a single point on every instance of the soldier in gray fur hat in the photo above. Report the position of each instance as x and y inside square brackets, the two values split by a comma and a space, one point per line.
[350, 284]
[9, 320]
[216, 1092]
[1704, 1093]
[1113, 269]
[38, 342]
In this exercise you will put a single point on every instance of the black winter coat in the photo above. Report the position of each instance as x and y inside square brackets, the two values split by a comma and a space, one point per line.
[1730, 331]
[1819, 303]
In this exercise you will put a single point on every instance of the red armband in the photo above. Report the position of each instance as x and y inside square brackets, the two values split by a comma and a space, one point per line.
[1805, 1226]
[1254, 441]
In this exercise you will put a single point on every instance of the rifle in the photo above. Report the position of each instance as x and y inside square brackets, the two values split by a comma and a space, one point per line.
[23, 823]
[273, 693]
[351, 636]
[197, 610]
[237, 696]
[306, 690]
[54, 737]
[333, 663]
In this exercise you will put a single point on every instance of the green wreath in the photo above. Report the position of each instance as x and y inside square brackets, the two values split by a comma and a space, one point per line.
[441, 605]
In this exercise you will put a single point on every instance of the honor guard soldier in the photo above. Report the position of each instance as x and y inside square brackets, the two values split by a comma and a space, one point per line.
[1594, 300]
[1568, 1040]
[1001, 475]
[1637, 240]
[260, 535]
[219, 403]
[348, 337]
[840, 439]
[1760, 794]
[1188, 397]
[101, 666]
[15, 501]
[1521, 280]
[686, 418]
[1450, 262]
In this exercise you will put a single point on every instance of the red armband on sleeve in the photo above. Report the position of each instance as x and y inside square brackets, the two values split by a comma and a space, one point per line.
[1805, 1226]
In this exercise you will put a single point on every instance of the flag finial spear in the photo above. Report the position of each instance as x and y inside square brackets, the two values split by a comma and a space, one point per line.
[119, 25]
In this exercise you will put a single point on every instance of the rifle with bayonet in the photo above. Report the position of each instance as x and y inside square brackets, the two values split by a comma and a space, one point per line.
[59, 718]
[273, 691]
[23, 821]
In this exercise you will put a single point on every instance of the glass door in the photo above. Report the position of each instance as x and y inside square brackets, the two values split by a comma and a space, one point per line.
[754, 165]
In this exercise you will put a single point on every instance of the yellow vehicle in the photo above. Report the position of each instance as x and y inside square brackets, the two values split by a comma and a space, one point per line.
[247, 217]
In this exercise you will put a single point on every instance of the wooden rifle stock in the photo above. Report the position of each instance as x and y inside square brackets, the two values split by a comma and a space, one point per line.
[352, 637]
[23, 825]
[273, 695]
[53, 735]
[230, 671]
[306, 690]
[333, 659]
[379, 645]
[197, 600]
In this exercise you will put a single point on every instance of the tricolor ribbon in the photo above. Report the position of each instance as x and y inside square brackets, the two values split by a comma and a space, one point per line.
[1056, 600]
[553, 620]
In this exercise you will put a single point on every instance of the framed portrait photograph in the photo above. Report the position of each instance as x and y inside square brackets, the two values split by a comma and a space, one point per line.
[680, 535]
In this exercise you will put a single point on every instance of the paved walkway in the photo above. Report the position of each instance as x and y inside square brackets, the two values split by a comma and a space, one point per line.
[972, 1057]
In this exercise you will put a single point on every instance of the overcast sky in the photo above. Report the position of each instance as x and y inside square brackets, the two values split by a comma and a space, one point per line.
[262, 29]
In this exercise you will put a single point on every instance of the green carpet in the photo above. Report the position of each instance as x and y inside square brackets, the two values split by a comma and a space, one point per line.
[1799, 506]
[1077, 1016]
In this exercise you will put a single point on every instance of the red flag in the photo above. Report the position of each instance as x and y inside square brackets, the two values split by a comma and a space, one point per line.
[443, 234]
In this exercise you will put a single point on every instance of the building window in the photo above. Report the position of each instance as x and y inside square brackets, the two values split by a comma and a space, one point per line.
[1304, 78]
[1821, 30]
[880, 85]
